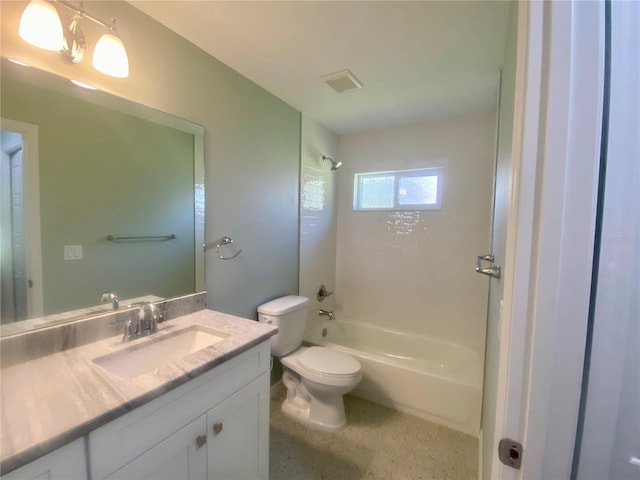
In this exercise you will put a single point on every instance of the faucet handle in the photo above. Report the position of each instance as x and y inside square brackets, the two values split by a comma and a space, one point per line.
[156, 314]
[131, 328]
[323, 293]
[144, 321]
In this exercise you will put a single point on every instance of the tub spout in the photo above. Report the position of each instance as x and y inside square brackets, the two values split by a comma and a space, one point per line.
[327, 313]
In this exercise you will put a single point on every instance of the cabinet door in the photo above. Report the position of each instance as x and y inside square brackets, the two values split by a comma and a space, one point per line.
[238, 430]
[65, 463]
[179, 456]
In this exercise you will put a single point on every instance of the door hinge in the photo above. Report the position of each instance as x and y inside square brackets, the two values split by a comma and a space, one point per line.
[510, 453]
[493, 270]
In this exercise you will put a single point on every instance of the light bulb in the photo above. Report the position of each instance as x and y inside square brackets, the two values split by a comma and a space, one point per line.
[40, 25]
[110, 56]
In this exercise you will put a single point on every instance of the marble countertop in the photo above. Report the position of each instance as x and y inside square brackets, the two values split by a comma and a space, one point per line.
[52, 400]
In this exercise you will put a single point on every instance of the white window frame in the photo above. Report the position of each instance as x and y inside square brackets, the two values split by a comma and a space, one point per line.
[397, 175]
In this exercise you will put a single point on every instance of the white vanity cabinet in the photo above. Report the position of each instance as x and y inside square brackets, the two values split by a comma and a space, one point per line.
[216, 426]
[226, 443]
[65, 463]
[178, 456]
[237, 434]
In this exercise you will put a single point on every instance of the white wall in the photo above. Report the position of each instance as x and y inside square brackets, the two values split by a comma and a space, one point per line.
[414, 270]
[318, 218]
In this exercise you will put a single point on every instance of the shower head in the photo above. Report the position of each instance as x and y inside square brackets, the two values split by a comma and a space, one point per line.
[334, 165]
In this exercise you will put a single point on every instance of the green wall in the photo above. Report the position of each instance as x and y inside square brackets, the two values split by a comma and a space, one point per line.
[106, 172]
[252, 145]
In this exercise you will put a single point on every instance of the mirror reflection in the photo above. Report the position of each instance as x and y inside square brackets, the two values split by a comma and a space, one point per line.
[97, 194]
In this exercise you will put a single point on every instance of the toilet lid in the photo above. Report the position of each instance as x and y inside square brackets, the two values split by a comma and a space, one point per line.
[329, 362]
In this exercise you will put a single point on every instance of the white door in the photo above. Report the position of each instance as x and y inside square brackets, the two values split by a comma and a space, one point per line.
[7, 304]
[15, 293]
[541, 328]
[238, 430]
[27, 237]
[20, 274]
[181, 456]
[65, 463]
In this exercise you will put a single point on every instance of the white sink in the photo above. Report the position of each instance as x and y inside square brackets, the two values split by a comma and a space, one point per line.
[155, 353]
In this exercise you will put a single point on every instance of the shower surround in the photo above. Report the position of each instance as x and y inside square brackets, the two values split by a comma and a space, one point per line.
[409, 271]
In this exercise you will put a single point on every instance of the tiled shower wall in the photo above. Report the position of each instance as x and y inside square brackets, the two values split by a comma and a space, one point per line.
[318, 195]
[414, 270]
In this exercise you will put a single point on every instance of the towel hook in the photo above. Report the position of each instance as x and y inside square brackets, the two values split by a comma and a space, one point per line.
[221, 243]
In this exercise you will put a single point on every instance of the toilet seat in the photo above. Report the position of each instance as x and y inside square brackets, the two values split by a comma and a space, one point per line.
[310, 366]
[325, 361]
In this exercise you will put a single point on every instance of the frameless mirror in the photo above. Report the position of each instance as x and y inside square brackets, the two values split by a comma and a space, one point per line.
[97, 194]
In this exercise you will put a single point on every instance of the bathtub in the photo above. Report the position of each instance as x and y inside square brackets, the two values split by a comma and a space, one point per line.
[432, 379]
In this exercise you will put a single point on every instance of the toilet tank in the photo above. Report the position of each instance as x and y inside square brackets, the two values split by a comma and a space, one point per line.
[289, 314]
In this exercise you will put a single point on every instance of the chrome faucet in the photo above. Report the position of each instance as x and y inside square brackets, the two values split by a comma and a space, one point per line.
[107, 297]
[143, 322]
[151, 316]
[327, 313]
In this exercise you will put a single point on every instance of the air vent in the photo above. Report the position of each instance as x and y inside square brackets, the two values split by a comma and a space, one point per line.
[342, 81]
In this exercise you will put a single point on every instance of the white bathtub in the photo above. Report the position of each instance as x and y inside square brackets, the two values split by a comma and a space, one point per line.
[429, 378]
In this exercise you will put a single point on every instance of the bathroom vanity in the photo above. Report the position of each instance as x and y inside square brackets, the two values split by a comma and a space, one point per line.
[198, 409]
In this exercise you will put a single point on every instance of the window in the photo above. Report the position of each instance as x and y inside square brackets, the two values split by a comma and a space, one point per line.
[398, 190]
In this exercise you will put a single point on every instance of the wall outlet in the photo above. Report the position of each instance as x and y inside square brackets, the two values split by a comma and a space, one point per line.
[73, 252]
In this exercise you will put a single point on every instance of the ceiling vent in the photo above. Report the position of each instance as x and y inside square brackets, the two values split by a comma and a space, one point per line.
[342, 81]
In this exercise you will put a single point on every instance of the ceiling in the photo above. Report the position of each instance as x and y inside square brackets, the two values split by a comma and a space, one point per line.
[417, 60]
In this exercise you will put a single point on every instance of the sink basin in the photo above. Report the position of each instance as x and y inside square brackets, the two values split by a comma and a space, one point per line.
[155, 353]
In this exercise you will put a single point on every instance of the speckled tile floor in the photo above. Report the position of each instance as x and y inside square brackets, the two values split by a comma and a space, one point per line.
[378, 443]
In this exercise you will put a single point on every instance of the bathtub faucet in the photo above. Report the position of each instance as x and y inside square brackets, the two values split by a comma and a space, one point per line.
[323, 293]
[327, 313]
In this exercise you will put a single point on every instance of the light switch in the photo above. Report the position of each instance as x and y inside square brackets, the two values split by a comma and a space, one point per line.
[73, 252]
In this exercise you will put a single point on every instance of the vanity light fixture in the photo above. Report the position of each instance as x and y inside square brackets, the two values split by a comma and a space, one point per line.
[110, 56]
[40, 25]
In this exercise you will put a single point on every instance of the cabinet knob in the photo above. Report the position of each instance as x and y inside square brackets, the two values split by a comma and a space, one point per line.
[201, 441]
[217, 428]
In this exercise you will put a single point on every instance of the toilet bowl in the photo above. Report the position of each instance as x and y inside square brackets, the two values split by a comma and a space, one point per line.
[316, 378]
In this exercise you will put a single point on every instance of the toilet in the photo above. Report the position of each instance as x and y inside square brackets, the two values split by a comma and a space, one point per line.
[316, 378]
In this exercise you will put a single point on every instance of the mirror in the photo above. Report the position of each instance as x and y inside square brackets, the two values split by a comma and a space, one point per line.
[98, 194]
